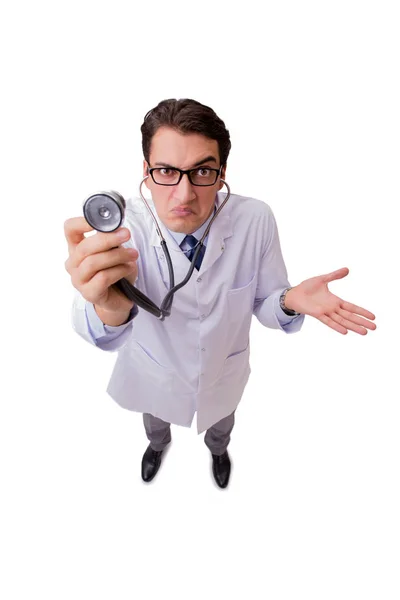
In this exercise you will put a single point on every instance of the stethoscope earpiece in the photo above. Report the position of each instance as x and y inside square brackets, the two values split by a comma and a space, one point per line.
[104, 211]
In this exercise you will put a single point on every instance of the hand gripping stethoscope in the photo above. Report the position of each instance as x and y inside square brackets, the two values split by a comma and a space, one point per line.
[105, 211]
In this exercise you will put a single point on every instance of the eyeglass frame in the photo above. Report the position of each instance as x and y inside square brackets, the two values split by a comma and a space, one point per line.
[187, 172]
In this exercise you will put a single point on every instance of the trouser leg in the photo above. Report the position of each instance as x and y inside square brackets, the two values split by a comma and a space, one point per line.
[218, 436]
[158, 432]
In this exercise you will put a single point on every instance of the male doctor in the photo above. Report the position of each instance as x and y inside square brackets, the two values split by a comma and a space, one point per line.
[196, 361]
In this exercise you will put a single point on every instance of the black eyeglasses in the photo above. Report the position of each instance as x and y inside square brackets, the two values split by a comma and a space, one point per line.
[171, 175]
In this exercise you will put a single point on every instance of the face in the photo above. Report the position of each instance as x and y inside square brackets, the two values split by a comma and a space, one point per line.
[184, 151]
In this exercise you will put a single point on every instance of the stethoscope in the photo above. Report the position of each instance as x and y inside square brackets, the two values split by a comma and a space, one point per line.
[105, 211]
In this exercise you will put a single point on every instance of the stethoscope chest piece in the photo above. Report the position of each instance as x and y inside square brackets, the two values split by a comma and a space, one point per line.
[104, 211]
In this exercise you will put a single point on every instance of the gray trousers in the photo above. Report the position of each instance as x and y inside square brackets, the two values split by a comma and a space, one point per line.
[216, 438]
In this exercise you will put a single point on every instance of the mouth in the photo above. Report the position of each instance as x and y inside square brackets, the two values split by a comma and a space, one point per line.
[181, 211]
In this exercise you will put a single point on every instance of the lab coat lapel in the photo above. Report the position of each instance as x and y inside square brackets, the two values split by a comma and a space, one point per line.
[220, 230]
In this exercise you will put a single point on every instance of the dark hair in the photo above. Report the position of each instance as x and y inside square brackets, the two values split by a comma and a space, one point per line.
[185, 116]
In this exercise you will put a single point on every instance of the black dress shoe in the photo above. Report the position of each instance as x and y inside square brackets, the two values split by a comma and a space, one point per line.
[151, 462]
[221, 469]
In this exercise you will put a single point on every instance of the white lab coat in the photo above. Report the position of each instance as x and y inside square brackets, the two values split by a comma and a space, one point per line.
[197, 359]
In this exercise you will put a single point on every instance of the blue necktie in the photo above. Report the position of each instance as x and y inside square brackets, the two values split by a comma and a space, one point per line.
[192, 241]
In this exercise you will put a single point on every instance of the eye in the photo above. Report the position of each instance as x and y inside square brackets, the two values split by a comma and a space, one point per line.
[203, 172]
[166, 173]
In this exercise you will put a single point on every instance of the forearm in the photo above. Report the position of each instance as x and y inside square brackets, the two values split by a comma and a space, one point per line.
[87, 323]
[108, 337]
[270, 314]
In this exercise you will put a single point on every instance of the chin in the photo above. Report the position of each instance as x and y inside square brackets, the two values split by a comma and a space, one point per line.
[179, 221]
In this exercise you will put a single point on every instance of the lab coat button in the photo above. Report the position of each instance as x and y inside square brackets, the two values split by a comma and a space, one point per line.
[198, 279]
[203, 349]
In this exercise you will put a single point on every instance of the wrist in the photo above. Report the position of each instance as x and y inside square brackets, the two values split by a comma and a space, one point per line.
[285, 302]
[111, 317]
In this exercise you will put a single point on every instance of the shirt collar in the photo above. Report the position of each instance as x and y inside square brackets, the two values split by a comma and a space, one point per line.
[179, 237]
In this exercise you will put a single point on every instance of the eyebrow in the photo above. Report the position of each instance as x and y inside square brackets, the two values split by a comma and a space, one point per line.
[200, 162]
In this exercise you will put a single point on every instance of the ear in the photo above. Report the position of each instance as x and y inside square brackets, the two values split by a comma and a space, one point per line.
[145, 171]
[223, 173]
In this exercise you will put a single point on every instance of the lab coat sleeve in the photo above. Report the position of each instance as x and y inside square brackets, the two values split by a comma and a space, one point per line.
[89, 326]
[272, 280]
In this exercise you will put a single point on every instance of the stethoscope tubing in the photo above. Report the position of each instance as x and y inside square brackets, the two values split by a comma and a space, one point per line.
[132, 293]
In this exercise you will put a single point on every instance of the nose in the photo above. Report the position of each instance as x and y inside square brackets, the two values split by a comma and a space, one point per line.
[184, 191]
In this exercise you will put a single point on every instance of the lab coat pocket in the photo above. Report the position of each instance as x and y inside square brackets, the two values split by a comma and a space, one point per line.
[150, 369]
[240, 310]
[236, 370]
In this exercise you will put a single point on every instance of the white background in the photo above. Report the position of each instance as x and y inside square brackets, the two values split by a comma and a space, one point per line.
[310, 94]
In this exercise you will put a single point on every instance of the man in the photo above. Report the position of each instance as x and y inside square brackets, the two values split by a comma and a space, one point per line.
[197, 359]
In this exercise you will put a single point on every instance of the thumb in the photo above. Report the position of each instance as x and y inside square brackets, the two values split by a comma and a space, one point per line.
[338, 274]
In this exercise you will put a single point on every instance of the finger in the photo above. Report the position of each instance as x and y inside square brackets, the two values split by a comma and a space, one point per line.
[105, 260]
[348, 324]
[97, 286]
[332, 324]
[101, 242]
[74, 230]
[358, 310]
[356, 319]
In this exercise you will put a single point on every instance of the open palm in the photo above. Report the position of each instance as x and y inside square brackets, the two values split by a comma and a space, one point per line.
[312, 297]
